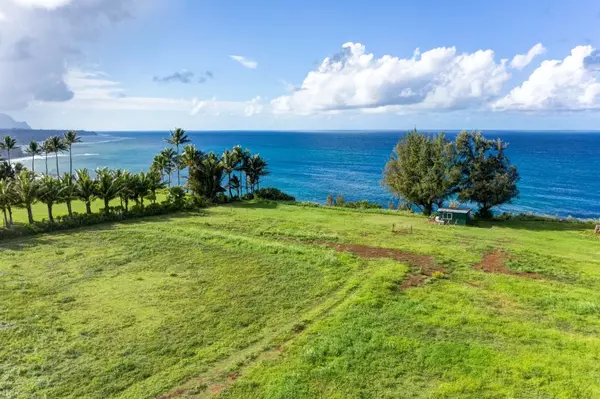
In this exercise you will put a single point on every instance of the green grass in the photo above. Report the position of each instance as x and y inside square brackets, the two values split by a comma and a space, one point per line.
[244, 301]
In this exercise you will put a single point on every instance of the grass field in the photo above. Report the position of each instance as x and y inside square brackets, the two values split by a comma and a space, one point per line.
[281, 301]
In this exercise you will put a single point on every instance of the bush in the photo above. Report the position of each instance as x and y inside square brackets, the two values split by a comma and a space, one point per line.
[364, 204]
[248, 196]
[116, 214]
[273, 194]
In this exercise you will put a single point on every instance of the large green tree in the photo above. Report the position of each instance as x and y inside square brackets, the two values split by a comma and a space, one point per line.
[178, 137]
[487, 177]
[422, 170]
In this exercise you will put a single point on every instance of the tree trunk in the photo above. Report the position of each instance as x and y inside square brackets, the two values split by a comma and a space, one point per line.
[69, 209]
[70, 160]
[142, 202]
[10, 219]
[177, 166]
[88, 207]
[106, 205]
[33, 163]
[46, 164]
[29, 214]
[229, 177]
[427, 209]
[8, 156]
[126, 204]
[50, 213]
[5, 217]
[57, 172]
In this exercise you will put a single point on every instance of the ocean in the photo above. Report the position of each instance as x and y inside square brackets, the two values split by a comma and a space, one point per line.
[559, 170]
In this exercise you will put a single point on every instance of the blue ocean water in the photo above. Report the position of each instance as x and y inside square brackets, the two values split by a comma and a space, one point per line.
[559, 170]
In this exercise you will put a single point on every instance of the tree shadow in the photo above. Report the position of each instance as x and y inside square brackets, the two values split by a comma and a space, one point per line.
[24, 242]
[536, 225]
[254, 205]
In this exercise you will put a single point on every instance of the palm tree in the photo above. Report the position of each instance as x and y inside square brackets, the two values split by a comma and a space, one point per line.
[50, 193]
[107, 187]
[241, 156]
[8, 144]
[178, 137]
[46, 149]
[71, 138]
[255, 168]
[235, 184]
[34, 148]
[69, 191]
[57, 145]
[85, 188]
[142, 187]
[207, 176]
[155, 183]
[229, 161]
[169, 157]
[190, 157]
[127, 184]
[158, 165]
[7, 197]
[26, 190]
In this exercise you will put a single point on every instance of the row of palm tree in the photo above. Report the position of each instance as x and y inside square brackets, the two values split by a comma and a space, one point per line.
[27, 188]
[210, 167]
[52, 145]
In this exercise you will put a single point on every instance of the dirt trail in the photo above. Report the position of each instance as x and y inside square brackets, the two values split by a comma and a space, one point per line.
[495, 261]
[422, 266]
[214, 381]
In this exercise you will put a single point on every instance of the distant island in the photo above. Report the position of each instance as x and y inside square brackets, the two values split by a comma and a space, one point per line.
[23, 133]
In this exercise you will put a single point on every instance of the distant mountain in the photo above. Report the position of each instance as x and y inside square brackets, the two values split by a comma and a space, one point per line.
[6, 122]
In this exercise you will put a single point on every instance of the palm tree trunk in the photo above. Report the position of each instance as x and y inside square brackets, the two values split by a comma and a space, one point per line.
[50, 213]
[57, 172]
[240, 185]
[229, 177]
[33, 163]
[106, 205]
[69, 210]
[8, 156]
[177, 166]
[126, 204]
[88, 207]
[70, 160]
[10, 219]
[46, 164]
[29, 214]
[5, 217]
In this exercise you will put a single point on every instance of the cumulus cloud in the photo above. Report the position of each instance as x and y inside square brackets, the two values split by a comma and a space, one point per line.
[244, 61]
[570, 84]
[520, 61]
[440, 78]
[40, 38]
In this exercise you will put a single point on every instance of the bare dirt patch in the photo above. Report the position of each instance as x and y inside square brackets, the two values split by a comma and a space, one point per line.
[422, 266]
[495, 262]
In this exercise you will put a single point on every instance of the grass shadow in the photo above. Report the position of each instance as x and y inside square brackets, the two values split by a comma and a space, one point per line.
[29, 241]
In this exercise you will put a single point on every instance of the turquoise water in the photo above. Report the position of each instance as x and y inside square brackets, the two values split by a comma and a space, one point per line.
[559, 171]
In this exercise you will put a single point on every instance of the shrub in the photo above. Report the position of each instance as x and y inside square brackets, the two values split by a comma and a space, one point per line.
[248, 196]
[273, 194]
[364, 204]
[176, 195]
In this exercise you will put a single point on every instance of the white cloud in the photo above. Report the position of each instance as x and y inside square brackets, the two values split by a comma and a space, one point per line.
[520, 61]
[570, 84]
[436, 79]
[48, 4]
[40, 38]
[216, 107]
[244, 61]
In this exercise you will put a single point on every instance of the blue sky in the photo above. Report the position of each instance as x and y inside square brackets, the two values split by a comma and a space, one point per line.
[79, 66]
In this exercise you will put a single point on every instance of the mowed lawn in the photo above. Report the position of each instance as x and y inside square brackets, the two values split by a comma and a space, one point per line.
[256, 301]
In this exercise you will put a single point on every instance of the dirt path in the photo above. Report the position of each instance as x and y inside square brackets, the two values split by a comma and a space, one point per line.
[211, 383]
[495, 262]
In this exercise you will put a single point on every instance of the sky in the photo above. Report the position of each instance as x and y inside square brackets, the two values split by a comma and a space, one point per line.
[300, 65]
